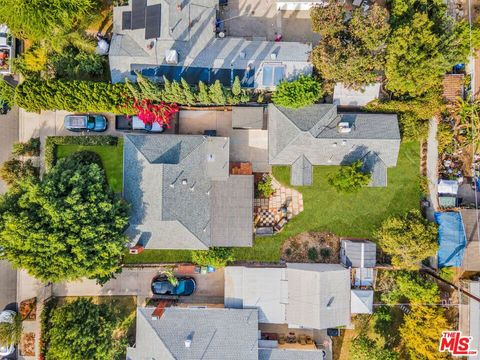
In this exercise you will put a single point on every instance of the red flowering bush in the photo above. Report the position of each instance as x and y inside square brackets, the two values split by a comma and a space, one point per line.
[150, 112]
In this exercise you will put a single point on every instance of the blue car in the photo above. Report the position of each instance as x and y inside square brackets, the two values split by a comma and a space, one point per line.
[85, 122]
[162, 286]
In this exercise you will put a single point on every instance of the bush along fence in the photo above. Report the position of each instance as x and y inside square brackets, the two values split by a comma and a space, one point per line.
[94, 140]
[89, 96]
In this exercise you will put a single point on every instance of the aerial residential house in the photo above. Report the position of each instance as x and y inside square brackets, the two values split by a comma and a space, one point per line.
[319, 135]
[345, 96]
[160, 38]
[207, 333]
[182, 195]
[311, 296]
[471, 257]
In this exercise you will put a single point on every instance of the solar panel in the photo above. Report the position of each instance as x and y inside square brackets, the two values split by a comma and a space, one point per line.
[170, 72]
[247, 78]
[153, 21]
[138, 14]
[193, 75]
[223, 75]
[126, 20]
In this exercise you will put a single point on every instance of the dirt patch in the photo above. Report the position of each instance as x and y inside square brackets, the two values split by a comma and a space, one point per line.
[314, 247]
[28, 344]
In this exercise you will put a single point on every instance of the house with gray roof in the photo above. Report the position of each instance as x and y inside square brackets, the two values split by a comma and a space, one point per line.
[161, 38]
[319, 135]
[313, 296]
[206, 333]
[182, 195]
[358, 253]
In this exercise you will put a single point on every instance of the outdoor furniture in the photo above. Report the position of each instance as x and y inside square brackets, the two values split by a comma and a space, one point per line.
[309, 340]
[210, 133]
[264, 230]
[291, 338]
[302, 339]
[281, 339]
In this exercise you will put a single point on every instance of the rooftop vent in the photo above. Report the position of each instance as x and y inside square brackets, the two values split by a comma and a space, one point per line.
[334, 144]
[188, 342]
[344, 127]
[273, 56]
[243, 54]
[184, 181]
[211, 158]
[171, 56]
[330, 302]
[344, 142]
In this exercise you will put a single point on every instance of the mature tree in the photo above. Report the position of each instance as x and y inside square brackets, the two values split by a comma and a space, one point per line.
[67, 226]
[10, 330]
[364, 348]
[408, 239]
[298, 93]
[349, 178]
[422, 330]
[351, 52]
[410, 286]
[83, 330]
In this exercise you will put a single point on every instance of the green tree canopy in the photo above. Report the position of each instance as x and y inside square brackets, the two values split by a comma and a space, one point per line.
[349, 178]
[83, 330]
[364, 348]
[298, 93]
[408, 239]
[411, 286]
[351, 52]
[67, 226]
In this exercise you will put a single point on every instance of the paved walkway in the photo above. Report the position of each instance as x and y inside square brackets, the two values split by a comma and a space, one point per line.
[8, 136]
[432, 162]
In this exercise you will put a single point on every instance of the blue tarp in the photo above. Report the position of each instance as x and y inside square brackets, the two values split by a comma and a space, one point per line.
[451, 239]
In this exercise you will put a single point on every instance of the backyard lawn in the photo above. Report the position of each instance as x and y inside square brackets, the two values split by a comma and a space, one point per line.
[112, 158]
[354, 215]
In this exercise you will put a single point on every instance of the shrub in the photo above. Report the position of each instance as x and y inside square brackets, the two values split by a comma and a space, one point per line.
[325, 252]
[52, 142]
[72, 63]
[215, 256]
[13, 171]
[264, 187]
[30, 148]
[10, 333]
[349, 178]
[312, 254]
[7, 92]
[295, 94]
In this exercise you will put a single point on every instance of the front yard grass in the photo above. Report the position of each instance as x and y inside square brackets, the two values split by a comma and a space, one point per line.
[347, 215]
[112, 159]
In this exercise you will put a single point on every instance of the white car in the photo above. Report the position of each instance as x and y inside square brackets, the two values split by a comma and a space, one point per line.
[7, 316]
[6, 52]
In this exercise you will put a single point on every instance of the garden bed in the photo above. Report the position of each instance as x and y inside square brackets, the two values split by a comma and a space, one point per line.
[27, 347]
[320, 247]
[28, 309]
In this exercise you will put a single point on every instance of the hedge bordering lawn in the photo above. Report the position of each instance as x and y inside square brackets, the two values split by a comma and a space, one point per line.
[53, 141]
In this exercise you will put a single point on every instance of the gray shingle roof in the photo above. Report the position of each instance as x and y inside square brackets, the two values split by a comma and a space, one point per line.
[358, 253]
[375, 166]
[286, 354]
[174, 184]
[471, 257]
[318, 295]
[301, 173]
[227, 334]
[312, 132]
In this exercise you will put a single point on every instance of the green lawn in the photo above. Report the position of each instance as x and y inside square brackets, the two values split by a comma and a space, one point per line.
[112, 158]
[355, 215]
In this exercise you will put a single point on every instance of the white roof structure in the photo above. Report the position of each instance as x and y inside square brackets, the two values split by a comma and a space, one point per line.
[362, 301]
[448, 187]
[474, 309]
[345, 96]
[315, 296]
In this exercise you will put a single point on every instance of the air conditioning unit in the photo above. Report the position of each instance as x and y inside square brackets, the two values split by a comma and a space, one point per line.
[171, 57]
[135, 250]
[344, 127]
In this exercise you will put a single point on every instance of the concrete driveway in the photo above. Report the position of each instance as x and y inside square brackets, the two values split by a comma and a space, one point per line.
[8, 286]
[8, 136]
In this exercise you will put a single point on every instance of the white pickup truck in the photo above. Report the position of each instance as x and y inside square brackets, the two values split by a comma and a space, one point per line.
[133, 123]
[6, 50]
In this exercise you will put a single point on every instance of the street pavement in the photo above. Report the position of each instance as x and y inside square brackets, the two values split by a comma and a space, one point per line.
[8, 286]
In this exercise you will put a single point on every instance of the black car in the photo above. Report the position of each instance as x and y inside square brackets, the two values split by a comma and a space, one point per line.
[162, 286]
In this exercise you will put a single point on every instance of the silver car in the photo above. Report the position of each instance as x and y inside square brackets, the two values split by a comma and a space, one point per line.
[85, 122]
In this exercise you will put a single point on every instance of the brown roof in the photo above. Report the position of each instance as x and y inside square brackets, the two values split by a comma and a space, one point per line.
[241, 168]
[471, 258]
[452, 86]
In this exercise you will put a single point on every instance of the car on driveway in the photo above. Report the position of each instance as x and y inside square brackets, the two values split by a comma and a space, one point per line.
[133, 123]
[7, 316]
[162, 286]
[85, 122]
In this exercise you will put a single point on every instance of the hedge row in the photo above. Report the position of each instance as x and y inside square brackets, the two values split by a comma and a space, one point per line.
[75, 96]
[92, 140]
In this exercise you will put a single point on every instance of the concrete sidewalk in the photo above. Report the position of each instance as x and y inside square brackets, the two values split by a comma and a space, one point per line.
[432, 162]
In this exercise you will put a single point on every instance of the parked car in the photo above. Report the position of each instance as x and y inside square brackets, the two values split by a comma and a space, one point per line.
[133, 123]
[6, 50]
[85, 122]
[7, 316]
[162, 286]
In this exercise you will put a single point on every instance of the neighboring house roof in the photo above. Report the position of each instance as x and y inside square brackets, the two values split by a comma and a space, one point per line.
[313, 132]
[358, 253]
[263, 288]
[308, 295]
[288, 354]
[180, 193]
[374, 165]
[190, 32]
[248, 117]
[451, 239]
[471, 258]
[213, 333]
[453, 86]
[362, 301]
[345, 96]
[318, 295]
